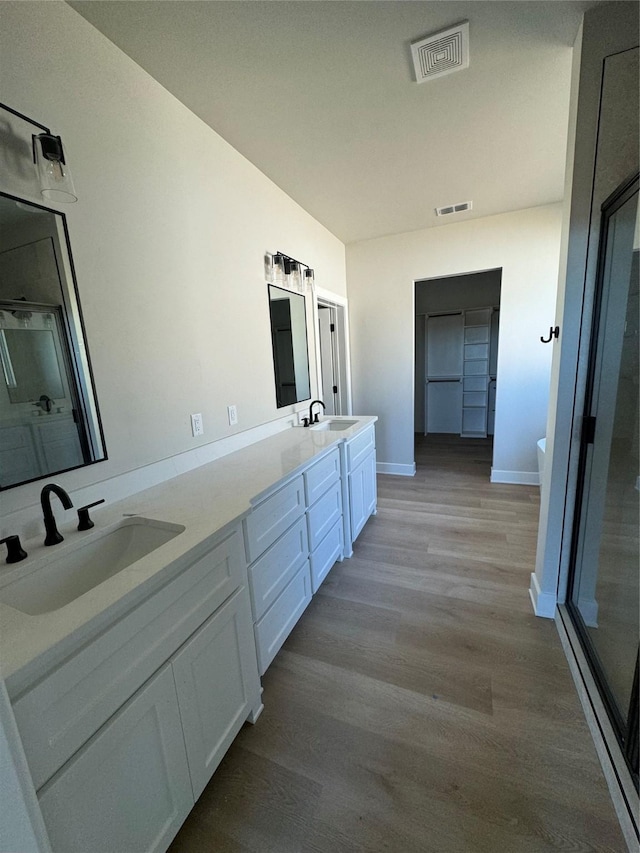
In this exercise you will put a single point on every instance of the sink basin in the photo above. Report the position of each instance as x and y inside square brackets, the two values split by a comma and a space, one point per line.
[334, 425]
[60, 578]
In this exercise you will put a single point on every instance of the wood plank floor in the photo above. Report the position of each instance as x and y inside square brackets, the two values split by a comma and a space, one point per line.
[419, 706]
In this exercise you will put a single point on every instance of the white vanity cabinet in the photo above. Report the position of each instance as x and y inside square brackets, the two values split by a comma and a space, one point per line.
[122, 737]
[360, 468]
[293, 537]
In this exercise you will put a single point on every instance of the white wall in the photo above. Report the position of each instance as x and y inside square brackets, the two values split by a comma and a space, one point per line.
[168, 238]
[381, 275]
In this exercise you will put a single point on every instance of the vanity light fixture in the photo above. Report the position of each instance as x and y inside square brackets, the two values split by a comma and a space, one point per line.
[309, 278]
[278, 268]
[56, 183]
[54, 176]
[288, 272]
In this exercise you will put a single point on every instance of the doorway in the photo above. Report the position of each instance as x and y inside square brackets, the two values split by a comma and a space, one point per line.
[456, 355]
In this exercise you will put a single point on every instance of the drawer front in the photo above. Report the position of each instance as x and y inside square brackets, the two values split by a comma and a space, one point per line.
[64, 709]
[276, 624]
[360, 447]
[324, 514]
[325, 555]
[320, 476]
[269, 519]
[269, 575]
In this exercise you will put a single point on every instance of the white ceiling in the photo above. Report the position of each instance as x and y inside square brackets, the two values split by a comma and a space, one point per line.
[321, 97]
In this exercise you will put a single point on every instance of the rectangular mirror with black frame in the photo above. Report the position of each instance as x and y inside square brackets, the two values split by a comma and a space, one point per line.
[49, 419]
[287, 311]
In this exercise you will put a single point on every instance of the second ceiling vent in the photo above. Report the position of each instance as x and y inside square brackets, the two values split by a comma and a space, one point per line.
[454, 208]
[441, 53]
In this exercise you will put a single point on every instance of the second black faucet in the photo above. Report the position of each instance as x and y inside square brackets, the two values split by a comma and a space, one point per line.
[313, 420]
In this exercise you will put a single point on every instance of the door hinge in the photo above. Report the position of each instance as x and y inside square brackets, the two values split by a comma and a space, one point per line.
[588, 429]
[335, 389]
[333, 327]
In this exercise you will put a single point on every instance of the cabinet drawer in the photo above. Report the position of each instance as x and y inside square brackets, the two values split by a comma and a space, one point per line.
[320, 476]
[360, 447]
[269, 519]
[64, 709]
[326, 554]
[269, 575]
[276, 624]
[128, 788]
[324, 514]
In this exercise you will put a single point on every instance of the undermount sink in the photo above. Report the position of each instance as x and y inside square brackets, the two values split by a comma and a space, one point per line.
[60, 578]
[334, 425]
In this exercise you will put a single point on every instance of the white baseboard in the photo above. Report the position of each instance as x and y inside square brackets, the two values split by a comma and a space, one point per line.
[544, 603]
[519, 478]
[397, 469]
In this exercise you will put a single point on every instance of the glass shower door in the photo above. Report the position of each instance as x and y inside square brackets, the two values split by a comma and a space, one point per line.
[604, 597]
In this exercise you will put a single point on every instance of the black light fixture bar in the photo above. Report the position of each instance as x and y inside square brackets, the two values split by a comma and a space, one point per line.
[25, 118]
[292, 260]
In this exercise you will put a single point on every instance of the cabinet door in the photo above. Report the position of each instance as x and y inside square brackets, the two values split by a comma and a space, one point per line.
[128, 788]
[216, 676]
[362, 494]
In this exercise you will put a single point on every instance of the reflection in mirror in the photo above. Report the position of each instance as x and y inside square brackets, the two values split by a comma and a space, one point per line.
[49, 418]
[290, 350]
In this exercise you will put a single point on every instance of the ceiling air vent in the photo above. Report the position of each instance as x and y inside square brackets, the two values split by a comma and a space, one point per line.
[441, 53]
[454, 208]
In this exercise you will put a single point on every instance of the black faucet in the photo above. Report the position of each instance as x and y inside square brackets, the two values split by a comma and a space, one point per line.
[53, 534]
[313, 420]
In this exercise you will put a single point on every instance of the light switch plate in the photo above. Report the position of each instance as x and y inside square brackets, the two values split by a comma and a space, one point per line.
[197, 425]
[232, 412]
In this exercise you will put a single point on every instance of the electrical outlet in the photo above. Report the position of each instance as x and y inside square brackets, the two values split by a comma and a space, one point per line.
[232, 412]
[197, 426]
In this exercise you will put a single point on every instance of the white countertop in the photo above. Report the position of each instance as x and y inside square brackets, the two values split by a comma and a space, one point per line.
[205, 500]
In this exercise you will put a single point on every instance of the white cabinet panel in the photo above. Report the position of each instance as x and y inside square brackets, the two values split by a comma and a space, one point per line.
[324, 514]
[326, 554]
[216, 679]
[128, 788]
[360, 447]
[270, 518]
[320, 476]
[269, 575]
[362, 494]
[276, 624]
